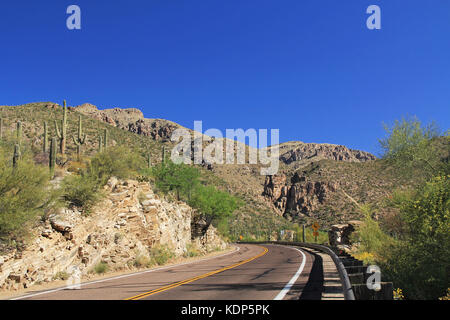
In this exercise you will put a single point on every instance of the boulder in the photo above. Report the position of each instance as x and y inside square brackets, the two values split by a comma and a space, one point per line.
[60, 225]
[339, 234]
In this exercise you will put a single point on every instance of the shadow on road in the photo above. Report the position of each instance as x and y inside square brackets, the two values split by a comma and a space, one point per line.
[314, 287]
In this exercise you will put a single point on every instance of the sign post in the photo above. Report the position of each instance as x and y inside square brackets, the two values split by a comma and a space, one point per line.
[315, 227]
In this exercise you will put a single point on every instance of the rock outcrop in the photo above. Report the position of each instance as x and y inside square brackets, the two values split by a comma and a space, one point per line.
[130, 119]
[339, 234]
[291, 152]
[124, 227]
[300, 197]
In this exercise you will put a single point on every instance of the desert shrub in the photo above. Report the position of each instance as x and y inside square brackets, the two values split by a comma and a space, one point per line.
[161, 254]
[411, 148]
[417, 256]
[369, 237]
[84, 189]
[223, 226]
[116, 161]
[24, 194]
[81, 191]
[101, 267]
[76, 166]
[191, 251]
[142, 260]
[61, 275]
[419, 262]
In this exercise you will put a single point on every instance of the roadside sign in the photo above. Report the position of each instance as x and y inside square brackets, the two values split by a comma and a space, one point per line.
[315, 227]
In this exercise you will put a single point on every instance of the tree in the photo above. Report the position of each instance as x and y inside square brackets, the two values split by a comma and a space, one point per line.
[417, 257]
[420, 262]
[213, 203]
[409, 147]
[180, 178]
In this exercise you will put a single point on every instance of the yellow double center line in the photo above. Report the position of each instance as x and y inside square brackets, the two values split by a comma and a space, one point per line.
[177, 284]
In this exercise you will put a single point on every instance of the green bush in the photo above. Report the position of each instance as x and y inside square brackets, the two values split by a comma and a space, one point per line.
[118, 161]
[223, 226]
[417, 257]
[411, 148]
[178, 178]
[85, 190]
[419, 262]
[213, 203]
[24, 194]
[82, 191]
[369, 237]
[185, 182]
[191, 251]
[101, 267]
[61, 275]
[161, 254]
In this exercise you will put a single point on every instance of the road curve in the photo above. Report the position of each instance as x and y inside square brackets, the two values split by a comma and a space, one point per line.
[254, 272]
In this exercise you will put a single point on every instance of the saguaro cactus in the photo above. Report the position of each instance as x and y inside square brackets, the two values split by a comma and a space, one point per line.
[17, 154]
[45, 148]
[149, 161]
[1, 128]
[100, 143]
[19, 132]
[62, 134]
[52, 156]
[80, 140]
[105, 139]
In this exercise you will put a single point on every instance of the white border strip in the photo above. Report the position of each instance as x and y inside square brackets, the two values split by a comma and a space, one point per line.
[124, 276]
[291, 282]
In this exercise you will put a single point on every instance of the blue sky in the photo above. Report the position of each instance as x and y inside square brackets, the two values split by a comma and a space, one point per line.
[310, 68]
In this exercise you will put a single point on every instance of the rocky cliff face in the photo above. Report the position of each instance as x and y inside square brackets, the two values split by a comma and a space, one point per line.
[132, 120]
[300, 197]
[291, 152]
[120, 231]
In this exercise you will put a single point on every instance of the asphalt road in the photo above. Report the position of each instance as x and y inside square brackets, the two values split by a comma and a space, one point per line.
[253, 272]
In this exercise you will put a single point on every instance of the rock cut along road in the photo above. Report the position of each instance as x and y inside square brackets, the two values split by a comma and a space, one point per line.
[251, 272]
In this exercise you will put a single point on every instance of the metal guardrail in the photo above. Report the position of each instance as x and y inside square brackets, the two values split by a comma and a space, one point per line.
[348, 291]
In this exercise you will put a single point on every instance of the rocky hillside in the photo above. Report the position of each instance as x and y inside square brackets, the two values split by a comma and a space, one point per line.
[315, 181]
[132, 120]
[121, 232]
[33, 116]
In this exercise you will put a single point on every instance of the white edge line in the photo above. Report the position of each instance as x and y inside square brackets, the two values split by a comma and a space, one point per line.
[291, 282]
[123, 276]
